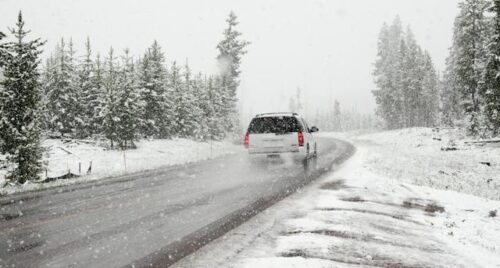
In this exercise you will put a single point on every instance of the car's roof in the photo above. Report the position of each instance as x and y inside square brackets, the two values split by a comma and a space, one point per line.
[278, 114]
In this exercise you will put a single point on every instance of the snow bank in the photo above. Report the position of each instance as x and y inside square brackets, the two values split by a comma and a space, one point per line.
[76, 157]
[443, 159]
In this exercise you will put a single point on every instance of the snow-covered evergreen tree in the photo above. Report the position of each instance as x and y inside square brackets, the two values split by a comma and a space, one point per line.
[129, 105]
[3, 60]
[450, 96]
[3, 51]
[20, 103]
[63, 93]
[200, 103]
[295, 104]
[406, 80]
[91, 93]
[77, 110]
[231, 49]
[215, 109]
[337, 116]
[111, 116]
[468, 57]
[45, 82]
[429, 104]
[95, 98]
[491, 90]
[179, 108]
[156, 96]
[388, 74]
[412, 78]
[187, 108]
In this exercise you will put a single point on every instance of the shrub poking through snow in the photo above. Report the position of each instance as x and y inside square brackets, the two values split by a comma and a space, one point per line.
[433, 208]
[493, 213]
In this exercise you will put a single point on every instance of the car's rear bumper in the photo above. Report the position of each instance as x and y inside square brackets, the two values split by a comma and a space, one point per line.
[275, 150]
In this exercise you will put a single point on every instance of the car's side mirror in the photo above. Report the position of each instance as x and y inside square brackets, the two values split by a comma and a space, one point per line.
[314, 129]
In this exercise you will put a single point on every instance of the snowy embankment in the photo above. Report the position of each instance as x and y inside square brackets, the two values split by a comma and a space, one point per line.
[63, 156]
[438, 158]
[371, 213]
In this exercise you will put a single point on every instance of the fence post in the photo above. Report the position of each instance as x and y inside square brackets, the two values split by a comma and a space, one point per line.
[90, 168]
[124, 160]
[211, 146]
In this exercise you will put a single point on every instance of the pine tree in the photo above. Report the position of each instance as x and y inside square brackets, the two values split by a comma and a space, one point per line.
[76, 110]
[208, 108]
[63, 94]
[128, 104]
[45, 81]
[215, 109]
[91, 94]
[188, 105]
[51, 91]
[179, 109]
[430, 93]
[450, 96]
[3, 52]
[95, 99]
[3, 60]
[491, 90]
[412, 81]
[20, 103]
[110, 112]
[155, 94]
[337, 116]
[468, 57]
[299, 105]
[231, 49]
[291, 104]
[389, 73]
[218, 101]
[406, 80]
[201, 108]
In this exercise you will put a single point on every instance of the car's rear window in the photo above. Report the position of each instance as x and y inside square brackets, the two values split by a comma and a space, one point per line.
[275, 124]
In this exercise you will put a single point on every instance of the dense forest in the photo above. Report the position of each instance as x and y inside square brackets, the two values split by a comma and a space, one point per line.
[124, 98]
[410, 92]
[117, 96]
[407, 82]
[471, 87]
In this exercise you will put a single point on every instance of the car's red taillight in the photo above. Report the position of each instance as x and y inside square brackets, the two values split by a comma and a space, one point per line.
[301, 138]
[246, 141]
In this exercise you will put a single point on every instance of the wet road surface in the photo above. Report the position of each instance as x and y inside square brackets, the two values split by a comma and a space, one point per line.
[150, 218]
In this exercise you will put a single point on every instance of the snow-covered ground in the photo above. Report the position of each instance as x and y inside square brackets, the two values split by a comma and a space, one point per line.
[372, 213]
[425, 156]
[75, 156]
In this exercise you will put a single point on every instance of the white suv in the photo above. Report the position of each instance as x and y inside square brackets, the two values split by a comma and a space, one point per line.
[278, 133]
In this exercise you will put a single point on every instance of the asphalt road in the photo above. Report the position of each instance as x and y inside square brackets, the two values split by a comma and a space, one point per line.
[150, 218]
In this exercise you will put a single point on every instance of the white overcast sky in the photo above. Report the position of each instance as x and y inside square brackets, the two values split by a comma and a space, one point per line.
[325, 47]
